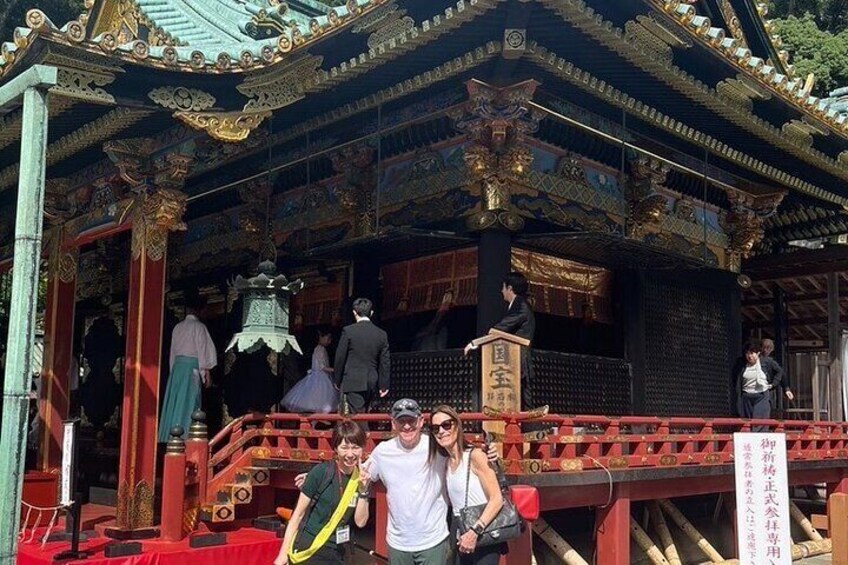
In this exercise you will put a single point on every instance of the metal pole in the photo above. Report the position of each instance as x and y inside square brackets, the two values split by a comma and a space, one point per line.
[21, 338]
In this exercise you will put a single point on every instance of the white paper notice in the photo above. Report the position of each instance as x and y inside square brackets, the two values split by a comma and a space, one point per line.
[67, 464]
[762, 499]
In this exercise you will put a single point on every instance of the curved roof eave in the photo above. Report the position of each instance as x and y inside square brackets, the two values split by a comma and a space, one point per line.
[234, 57]
[795, 92]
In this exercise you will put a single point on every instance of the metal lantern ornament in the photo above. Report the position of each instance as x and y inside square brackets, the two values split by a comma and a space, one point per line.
[265, 319]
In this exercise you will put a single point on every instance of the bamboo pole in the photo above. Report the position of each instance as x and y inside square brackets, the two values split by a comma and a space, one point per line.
[565, 552]
[799, 551]
[690, 530]
[811, 548]
[669, 549]
[804, 522]
[646, 543]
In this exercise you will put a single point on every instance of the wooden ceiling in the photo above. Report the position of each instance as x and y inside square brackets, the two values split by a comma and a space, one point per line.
[806, 306]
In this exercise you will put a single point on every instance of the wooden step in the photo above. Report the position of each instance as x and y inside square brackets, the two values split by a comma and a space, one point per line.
[217, 513]
[239, 493]
[259, 476]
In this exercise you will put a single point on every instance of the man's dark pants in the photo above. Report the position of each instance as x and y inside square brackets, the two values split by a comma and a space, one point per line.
[358, 402]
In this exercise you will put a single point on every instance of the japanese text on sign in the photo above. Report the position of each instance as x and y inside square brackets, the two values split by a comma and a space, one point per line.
[762, 499]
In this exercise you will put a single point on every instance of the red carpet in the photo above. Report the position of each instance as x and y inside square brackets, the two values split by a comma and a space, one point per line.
[246, 546]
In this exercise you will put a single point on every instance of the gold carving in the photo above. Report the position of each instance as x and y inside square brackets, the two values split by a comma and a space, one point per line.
[391, 28]
[356, 194]
[135, 506]
[191, 517]
[635, 32]
[157, 213]
[181, 98]
[280, 87]
[122, 507]
[744, 223]
[224, 126]
[647, 205]
[668, 460]
[67, 265]
[567, 465]
[618, 463]
[84, 85]
[732, 21]
[496, 120]
[130, 156]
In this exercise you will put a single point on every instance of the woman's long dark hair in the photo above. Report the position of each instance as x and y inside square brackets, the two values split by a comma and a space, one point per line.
[460, 437]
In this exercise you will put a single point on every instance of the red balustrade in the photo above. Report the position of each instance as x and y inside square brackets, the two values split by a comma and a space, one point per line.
[577, 443]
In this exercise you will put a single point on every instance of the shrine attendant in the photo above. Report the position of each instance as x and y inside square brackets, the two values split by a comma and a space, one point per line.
[193, 355]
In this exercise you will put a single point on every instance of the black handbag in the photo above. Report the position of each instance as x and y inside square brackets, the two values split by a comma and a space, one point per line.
[507, 525]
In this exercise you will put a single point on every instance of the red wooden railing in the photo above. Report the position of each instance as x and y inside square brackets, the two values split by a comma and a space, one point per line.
[575, 444]
[579, 442]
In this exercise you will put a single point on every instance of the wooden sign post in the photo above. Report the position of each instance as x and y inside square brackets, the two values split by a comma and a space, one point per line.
[501, 370]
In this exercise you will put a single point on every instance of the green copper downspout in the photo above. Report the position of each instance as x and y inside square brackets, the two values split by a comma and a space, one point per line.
[33, 85]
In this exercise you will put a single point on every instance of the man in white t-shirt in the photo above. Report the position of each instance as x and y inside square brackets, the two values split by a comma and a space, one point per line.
[415, 490]
[417, 532]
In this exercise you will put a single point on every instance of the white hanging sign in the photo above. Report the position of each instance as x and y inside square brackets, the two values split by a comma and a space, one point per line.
[68, 439]
[762, 499]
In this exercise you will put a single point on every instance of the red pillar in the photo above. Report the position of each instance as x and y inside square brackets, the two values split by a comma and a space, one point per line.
[612, 526]
[173, 489]
[520, 549]
[54, 403]
[156, 214]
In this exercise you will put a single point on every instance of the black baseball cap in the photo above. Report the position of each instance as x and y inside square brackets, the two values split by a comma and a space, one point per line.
[405, 408]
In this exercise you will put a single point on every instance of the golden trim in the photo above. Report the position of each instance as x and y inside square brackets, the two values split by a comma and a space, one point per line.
[566, 70]
[601, 30]
[224, 126]
[42, 27]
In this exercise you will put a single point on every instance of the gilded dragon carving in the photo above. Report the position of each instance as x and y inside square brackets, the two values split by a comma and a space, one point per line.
[496, 121]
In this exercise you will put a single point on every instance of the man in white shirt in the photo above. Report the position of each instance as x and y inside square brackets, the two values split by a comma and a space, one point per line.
[417, 532]
[193, 355]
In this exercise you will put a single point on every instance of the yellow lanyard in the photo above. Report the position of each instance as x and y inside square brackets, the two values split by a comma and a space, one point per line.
[330, 527]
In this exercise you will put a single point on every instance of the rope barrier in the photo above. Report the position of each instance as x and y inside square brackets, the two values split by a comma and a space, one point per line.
[22, 537]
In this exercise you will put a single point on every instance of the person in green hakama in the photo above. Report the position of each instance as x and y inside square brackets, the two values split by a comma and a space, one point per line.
[193, 355]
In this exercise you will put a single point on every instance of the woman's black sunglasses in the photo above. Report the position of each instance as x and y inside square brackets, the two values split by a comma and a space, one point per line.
[447, 425]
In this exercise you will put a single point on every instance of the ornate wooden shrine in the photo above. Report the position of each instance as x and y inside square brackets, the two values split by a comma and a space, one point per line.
[628, 156]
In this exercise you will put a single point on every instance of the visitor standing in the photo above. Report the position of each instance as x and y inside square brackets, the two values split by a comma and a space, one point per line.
[471, 481]
[362, 360]
[315, 393]
[193, 355]
[333, 493]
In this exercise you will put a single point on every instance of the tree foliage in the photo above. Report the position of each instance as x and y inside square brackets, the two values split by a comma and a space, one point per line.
[816, 51]
[830, 15]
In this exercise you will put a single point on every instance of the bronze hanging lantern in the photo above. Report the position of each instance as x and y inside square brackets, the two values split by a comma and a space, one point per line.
[265, 319]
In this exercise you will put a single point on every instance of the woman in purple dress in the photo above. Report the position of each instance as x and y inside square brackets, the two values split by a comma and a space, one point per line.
[315, 392]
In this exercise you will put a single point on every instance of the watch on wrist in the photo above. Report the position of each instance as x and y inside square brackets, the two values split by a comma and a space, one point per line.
[478, 529]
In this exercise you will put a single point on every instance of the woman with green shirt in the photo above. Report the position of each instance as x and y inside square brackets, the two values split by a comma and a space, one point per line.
[333, 493]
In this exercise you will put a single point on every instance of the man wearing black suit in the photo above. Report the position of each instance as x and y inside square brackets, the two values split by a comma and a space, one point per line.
[519, 320]
[362, 360]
